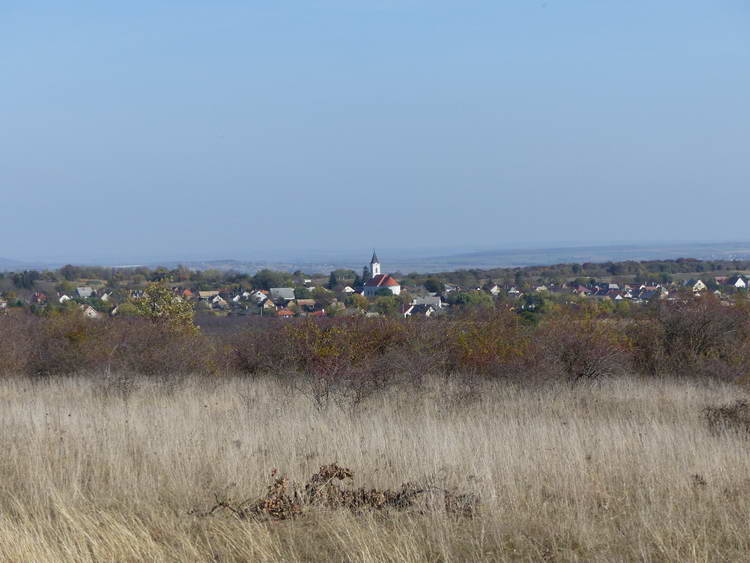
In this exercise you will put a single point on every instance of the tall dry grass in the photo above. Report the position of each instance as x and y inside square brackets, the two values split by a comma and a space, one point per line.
[103, 469]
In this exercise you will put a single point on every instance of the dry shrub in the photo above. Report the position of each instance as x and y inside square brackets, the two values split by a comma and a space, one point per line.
[136, 346]
[698, 338]
[284, 500]
[489, 342]
[584, 349]
[16, 337]
[733, 416]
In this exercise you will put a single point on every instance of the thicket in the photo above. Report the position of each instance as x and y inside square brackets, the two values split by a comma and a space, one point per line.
[348, 359]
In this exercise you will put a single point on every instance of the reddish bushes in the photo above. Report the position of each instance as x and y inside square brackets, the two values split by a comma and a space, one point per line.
[355, 357]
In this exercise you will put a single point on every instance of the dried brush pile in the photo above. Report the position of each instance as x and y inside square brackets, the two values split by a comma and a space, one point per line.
[286, 500]
[733, 416]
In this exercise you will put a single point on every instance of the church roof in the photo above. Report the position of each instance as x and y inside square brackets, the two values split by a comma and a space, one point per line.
[382, 280]
[374, 258]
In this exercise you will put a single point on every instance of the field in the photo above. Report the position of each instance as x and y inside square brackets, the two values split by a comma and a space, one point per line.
[102, 468]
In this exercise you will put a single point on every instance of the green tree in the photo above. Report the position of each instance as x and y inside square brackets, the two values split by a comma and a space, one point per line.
[302, 293]
[434, 285]
[322, 297]
[159, 305]
[333, 281]
[387, 305]
[358, 301]
[266, 279]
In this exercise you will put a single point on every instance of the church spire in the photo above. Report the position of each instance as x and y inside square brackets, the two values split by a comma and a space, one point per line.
[374, 265]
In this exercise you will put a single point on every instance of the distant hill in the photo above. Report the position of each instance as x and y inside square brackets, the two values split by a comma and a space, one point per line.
[410, 262]
[510, 258]
[7, 265]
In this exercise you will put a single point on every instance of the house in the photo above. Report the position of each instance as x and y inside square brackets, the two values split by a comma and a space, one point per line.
[187, 294]
[581, 290]
[349, 290]
[90, 313]
[39, 298]
[64, 299]
[306, 304]
[282, 295]
[513, 292]
[258, 297]
[433, 301]
[218, 301]
[3, 304]
[84, 292]
[106, 296]
[494, 290]
[541, 288]
[380, 281]
[739, 281]
[207, 295]
[419, 311]
[284, 313]
[695, 285]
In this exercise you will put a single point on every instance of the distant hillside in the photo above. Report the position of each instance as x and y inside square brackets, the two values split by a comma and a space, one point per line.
[409, 262]
[7, 265]
[510, 258]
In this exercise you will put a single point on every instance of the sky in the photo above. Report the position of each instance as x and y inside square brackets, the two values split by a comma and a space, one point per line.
[154, 129]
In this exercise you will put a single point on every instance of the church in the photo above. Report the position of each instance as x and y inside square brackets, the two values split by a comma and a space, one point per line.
[379, 281]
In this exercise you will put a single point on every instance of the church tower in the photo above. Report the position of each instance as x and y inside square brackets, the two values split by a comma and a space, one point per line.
[374, 265]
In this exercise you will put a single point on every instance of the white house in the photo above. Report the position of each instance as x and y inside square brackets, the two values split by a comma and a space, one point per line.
[419, 310]
[696, 285]
[84, 292]
[737, 281]
[89, 312]
[380, 281]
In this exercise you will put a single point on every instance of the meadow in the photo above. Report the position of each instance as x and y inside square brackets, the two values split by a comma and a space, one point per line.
[112, 467]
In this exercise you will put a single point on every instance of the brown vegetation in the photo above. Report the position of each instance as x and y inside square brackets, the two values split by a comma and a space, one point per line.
[113, 467]
[355, 356]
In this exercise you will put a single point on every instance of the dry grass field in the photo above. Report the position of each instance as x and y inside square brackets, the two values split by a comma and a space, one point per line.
[108, 469]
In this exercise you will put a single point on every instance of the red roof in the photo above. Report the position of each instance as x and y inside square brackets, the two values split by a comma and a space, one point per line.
[382, 280]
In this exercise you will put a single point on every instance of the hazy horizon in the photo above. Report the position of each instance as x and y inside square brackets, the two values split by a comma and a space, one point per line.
[150, 131]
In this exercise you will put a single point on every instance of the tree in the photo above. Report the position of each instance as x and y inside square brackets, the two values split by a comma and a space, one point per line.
[434, 285]
[474, 299]
[387, 305]
[366, 274]
[322, 296]
[26, 279]
[162, 307]
[266, 279]
[359, 301]
[333, 281]
[302, 293]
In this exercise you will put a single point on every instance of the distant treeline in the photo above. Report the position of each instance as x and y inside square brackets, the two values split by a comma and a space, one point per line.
[639, 271]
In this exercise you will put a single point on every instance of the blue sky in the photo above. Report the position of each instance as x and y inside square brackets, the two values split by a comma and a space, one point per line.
[175, 130]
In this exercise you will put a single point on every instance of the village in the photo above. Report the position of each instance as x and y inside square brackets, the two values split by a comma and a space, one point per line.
[373, 293]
